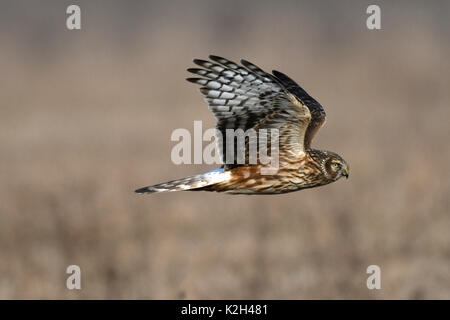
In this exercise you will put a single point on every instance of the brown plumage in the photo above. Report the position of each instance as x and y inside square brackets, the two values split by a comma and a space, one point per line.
[245, 97]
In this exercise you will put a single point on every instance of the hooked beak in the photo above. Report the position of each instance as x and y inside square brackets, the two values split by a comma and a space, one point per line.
[345, 173]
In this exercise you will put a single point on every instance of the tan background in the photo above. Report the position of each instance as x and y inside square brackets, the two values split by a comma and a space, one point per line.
[86, 118]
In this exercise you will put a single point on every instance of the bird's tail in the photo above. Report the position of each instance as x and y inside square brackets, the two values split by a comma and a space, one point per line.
[189, 183]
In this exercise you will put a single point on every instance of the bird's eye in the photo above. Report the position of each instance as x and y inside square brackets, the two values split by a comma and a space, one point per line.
[335, 165]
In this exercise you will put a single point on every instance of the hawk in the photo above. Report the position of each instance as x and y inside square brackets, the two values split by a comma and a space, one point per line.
[246, 97]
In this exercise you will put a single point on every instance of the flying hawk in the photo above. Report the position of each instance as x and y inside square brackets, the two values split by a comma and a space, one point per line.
[245, 97]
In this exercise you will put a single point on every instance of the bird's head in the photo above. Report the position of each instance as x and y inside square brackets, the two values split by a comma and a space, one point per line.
[335, 167]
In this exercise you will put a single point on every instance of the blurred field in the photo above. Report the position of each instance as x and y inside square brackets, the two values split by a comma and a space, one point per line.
[86, 118]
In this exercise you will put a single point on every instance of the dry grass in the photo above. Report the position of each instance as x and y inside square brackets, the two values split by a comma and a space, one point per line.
[86, 118]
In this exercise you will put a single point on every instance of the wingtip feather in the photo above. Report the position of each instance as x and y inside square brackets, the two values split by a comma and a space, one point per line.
[193, 80]
[214, 57]
[145, 190]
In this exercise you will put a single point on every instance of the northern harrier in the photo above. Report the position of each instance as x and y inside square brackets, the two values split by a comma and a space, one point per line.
[245, 97]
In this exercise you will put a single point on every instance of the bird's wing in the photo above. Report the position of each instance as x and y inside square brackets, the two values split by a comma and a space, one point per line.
[244, 97]
[317, 112]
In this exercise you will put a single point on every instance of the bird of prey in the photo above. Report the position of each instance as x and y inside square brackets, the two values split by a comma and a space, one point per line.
[245, 97]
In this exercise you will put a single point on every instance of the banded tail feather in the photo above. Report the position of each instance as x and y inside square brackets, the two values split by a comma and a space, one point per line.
[188, 183]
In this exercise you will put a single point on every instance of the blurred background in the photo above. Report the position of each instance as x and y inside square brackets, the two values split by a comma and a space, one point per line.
[86, 118]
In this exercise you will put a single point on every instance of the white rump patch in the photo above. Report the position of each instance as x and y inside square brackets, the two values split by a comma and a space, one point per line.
[216, 177]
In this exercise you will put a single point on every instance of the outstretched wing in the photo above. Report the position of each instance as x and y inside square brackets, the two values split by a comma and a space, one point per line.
[316, 109]
[244, 97]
